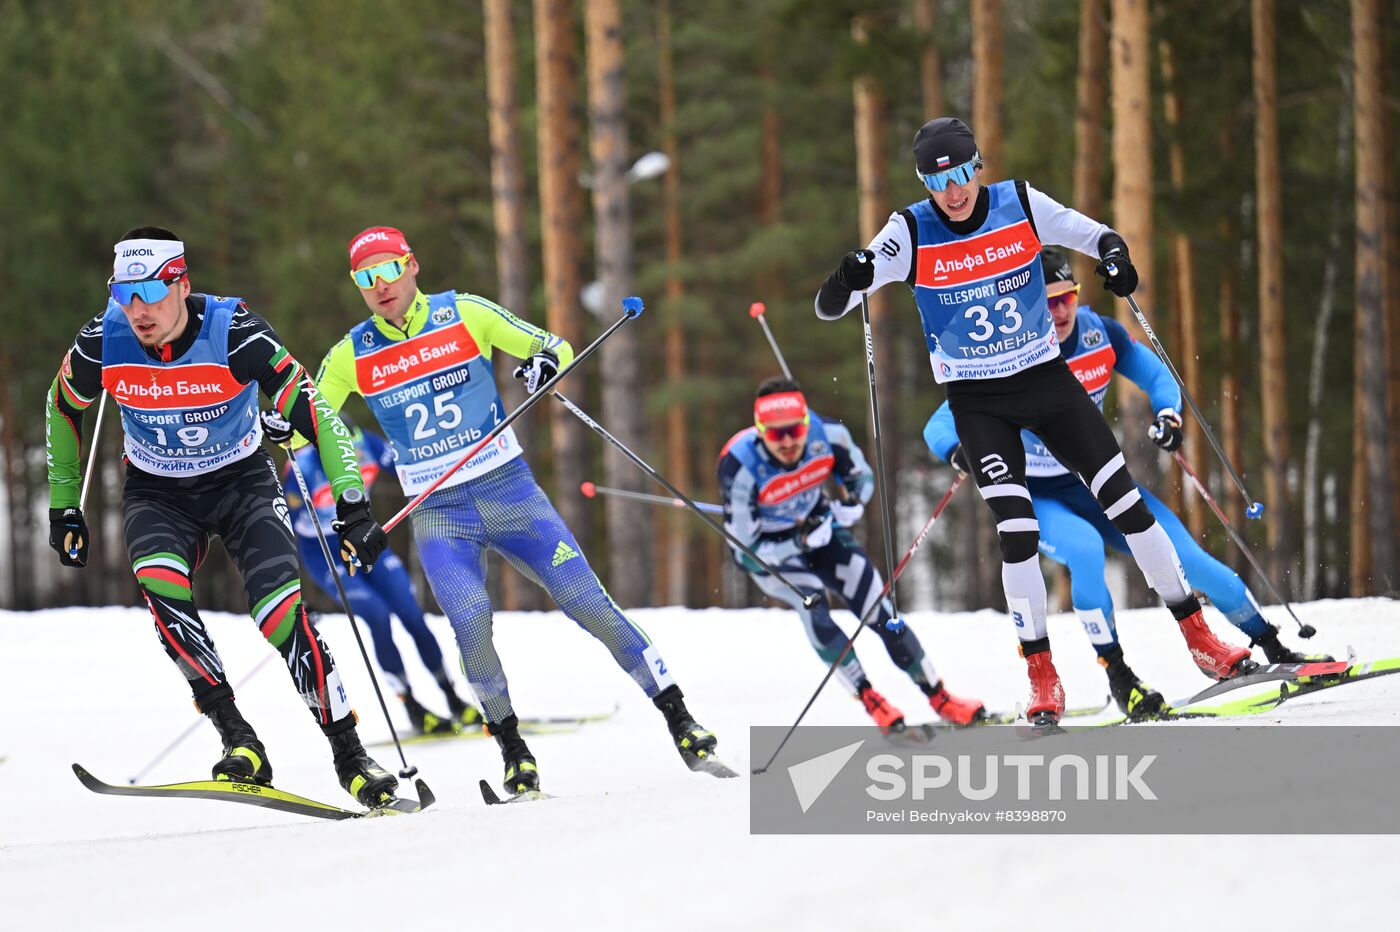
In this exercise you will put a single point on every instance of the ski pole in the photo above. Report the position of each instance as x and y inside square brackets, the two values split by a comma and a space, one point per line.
[757, 311]
[898, 571]
[807, 600]
[590, 490]
[199, 720]
[1254, 508]
[886, 516]
[407, 771]
[1305, 631]
[631, 309]
[92, 453]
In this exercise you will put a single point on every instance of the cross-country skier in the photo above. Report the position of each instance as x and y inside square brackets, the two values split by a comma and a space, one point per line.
[771, 477]
[423, 363]
[970, 255]
[376, 596]
[185, 370]
[1073, 528]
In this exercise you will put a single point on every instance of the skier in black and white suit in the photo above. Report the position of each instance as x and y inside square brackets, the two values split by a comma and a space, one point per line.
[971, 255]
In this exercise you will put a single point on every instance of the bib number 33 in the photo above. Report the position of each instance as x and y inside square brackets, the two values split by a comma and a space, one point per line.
[982, 326]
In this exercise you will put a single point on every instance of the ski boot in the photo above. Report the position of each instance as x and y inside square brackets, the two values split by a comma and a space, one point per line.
[521, 774]
[464, 714]
[245, 759]
[425, 722]
[1047, 702]
[1135, 699]
[952, 709]
[694, 743]
[1277, 653]
[1214, 658]
[887, 717]
[359, 775]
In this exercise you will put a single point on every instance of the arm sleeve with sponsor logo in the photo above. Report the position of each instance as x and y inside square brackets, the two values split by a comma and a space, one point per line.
[851, 464]
[256, 354]
[1058, 225]
[893, 250]
[940, 436]
[494, 327]
[74, 388]
[1143, 368]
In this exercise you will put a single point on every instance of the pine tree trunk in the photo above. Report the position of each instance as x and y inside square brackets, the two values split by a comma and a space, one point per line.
[561, 220]
[930, 69]
[873, 207]
[986, 86]
[1326, 305]
[1371, 372]
[1187, 315]
[1273, 382]
[1090, 91]
[1132, 207]
[508, 211]
[679, 574]
[629, 522]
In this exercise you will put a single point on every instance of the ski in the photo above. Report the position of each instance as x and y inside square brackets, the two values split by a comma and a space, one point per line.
[708, 763]
[491, 799]
[542, 725]
[251, 794]
[1292, 690]
[1265, 674]
[922, 733]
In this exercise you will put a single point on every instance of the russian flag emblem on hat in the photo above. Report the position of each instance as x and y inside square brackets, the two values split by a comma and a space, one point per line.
[943, 161]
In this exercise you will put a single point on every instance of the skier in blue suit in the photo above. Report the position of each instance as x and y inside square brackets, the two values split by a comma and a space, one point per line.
[374, 596]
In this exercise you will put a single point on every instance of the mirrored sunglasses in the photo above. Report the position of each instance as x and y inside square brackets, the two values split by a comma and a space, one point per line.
[389, 272]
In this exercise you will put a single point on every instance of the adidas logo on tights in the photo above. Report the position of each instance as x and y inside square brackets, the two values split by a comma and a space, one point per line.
[563, 553]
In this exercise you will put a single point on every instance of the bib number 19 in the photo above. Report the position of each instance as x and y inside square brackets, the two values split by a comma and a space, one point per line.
[981, 317]
[189, 436]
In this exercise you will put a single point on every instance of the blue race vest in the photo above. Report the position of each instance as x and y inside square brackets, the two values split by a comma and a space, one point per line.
[186, 416]
[1092, 362]
[434, 396]
[785, 495]
[982, 297]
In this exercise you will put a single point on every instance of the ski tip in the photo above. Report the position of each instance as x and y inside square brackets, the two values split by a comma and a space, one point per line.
[488, 795]
[632, 307]
[425, 795]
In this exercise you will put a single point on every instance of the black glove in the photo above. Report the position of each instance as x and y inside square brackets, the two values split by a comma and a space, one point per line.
[362, 540]
[68, 535]
[537, 370]
[857, 271]
[1166, 430]
[1124, 279]
[958, 459]
[275, 427]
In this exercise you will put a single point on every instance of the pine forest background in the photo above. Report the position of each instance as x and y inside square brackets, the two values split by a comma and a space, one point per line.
[1245, 148]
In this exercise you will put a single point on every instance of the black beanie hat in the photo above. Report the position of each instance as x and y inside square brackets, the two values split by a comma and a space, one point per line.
[942, 144]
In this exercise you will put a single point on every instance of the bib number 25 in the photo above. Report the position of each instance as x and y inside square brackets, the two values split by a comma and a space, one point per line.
[981, 318]
[448, 416]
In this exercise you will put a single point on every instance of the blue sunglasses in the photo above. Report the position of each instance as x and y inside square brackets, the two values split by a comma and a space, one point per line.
[958, 174]
[149, 291]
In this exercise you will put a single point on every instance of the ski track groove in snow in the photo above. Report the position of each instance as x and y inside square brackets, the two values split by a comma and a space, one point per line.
[634, 839]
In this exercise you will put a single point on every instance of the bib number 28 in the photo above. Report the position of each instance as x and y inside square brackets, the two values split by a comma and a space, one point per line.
[983, 329]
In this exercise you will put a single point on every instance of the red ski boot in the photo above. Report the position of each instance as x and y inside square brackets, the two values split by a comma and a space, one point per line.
[1213, 657]
[1047, 702]
[952, 709]
[885, 715]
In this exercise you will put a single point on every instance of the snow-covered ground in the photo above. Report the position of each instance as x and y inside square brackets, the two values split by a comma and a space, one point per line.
[635, 841]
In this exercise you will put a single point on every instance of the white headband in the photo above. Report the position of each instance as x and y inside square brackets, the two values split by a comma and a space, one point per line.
[141, 259]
